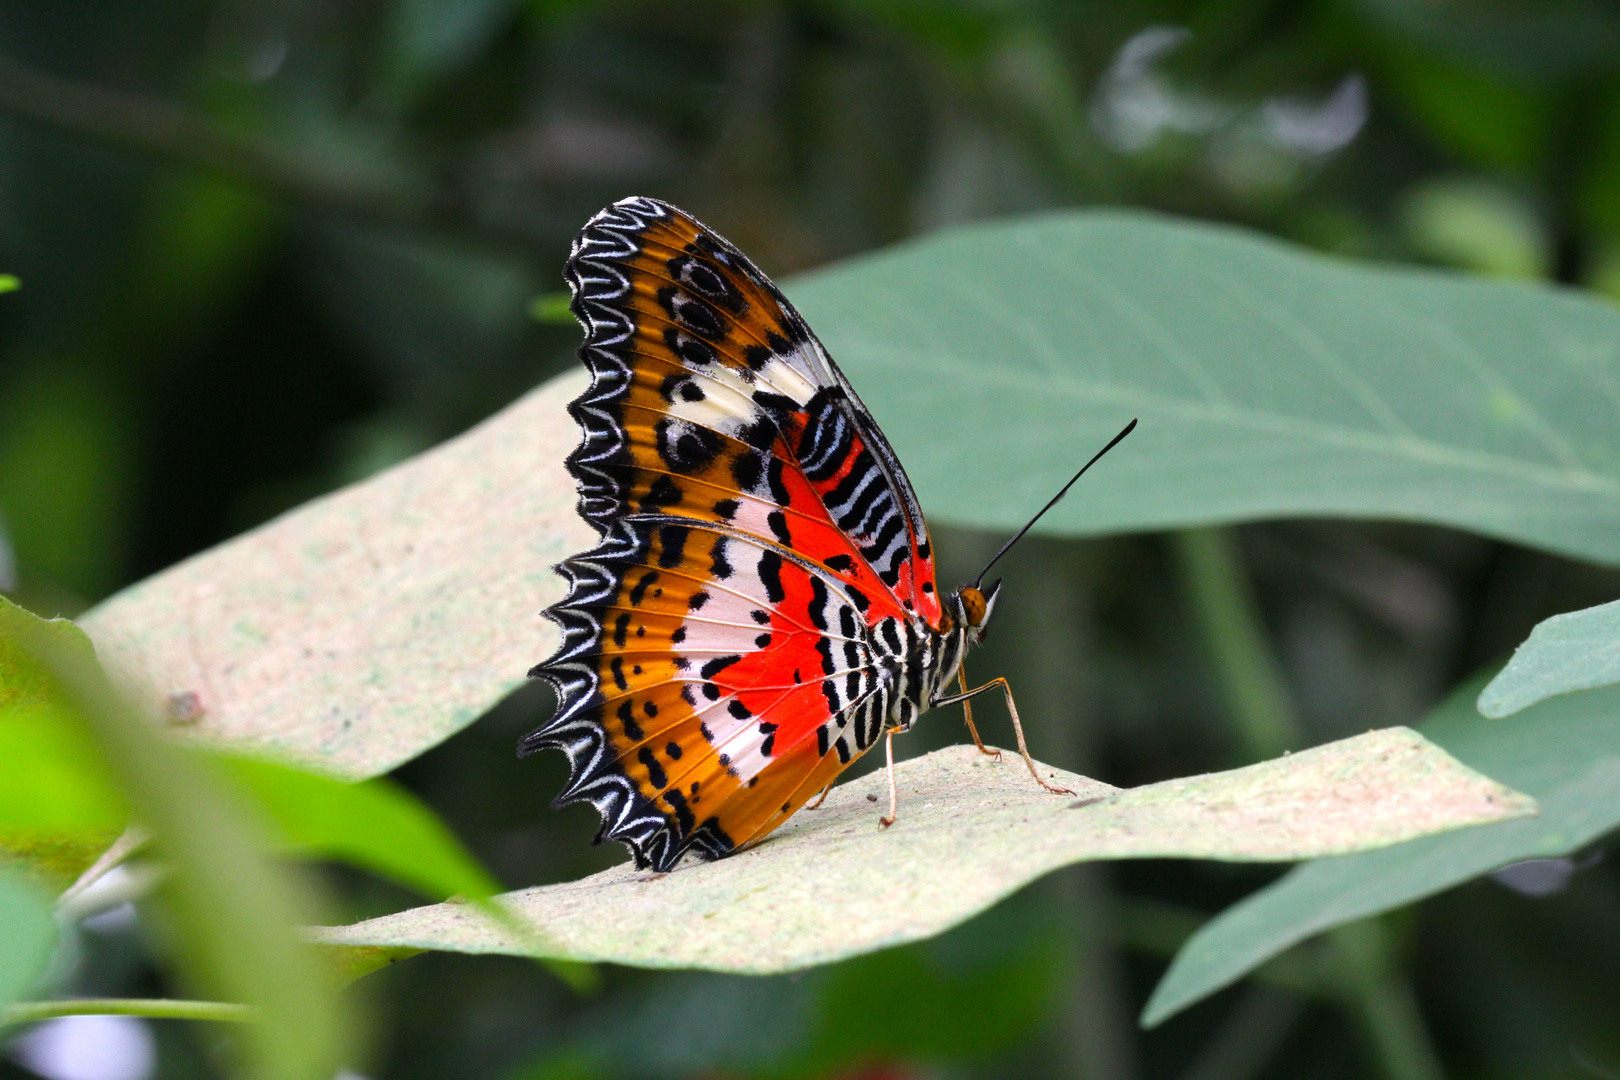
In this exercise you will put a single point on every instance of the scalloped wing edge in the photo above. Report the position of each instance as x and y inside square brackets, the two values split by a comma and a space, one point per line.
[594, 774]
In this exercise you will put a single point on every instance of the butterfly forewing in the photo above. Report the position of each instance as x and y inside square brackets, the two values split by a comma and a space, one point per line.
[714, 672]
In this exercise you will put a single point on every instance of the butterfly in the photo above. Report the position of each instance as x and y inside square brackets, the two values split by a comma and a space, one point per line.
[762, 606]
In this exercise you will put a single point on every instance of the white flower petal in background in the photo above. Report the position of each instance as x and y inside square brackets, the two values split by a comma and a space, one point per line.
[1136, 104]
[1317, 129]
[89, 1048]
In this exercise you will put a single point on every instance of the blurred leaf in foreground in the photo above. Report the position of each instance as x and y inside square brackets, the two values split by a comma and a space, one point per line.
[27, 936]
[229, 914]
[831, 884]
[59, 805]
[1579, 650]
[552, 309]
[1564, 752]
[375, 825]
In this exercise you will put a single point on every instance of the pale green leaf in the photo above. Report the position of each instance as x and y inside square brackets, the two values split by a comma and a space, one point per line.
[27, 935]
[1579, 650]
[1564, 752]
[831, 883]
[362, 628]
[365, 627]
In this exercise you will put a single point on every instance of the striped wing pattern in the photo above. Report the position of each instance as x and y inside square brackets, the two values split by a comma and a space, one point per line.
[764, 586]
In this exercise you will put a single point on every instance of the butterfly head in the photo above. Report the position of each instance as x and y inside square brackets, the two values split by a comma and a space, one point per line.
[972, 607]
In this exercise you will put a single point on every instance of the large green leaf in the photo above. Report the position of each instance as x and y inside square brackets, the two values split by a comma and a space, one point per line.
[368, 625]
[27, 935]
[1565, 752]
[1579, 650]
[832, 884]
[1269, 382]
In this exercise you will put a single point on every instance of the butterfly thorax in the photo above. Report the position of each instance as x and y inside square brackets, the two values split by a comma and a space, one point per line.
[921, 673]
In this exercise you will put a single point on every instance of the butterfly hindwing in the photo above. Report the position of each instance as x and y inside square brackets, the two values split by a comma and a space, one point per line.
[715, 671]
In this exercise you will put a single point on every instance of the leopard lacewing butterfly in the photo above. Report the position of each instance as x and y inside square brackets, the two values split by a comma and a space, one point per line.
[762, 605]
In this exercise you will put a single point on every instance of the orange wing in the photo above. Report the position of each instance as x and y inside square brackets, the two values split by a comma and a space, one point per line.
[762, 552]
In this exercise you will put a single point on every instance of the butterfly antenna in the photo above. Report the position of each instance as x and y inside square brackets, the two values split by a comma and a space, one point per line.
[1055, 500]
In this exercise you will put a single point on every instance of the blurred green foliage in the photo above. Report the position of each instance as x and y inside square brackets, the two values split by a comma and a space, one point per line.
[270, 246]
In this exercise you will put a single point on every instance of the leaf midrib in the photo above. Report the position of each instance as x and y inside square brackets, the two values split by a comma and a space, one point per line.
[1412, 447]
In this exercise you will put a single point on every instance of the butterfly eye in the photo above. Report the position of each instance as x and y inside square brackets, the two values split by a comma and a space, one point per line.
[974, 606]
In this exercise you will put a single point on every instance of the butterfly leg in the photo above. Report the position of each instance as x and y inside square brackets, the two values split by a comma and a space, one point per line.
[967, 715]
[820, 798]
[1018, 727]
[894, 792]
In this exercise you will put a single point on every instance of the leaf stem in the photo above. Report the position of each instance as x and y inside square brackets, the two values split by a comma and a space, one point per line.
[29, 1012]
[1383, 1000]
[1361, 956]
[1229, 619]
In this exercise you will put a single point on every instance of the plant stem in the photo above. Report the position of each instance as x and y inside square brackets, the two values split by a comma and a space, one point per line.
[1052, 649]
[28, 1012]
[1263, 712]
[1229, 619]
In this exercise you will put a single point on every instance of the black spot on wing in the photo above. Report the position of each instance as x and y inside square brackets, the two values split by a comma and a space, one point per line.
[639, 591]
[661, 492]
[718, 564]
[746, 469]
[627, 717]
[655, 771]
[672, 542]
[818, 602]
[770, 575]
[717, 665]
